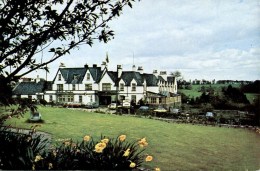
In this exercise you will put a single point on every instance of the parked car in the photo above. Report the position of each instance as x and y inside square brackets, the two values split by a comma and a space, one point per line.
[36, 116]
[91, 105]
[112, 106]
[160, 109]
[126, 104]
[143, 108]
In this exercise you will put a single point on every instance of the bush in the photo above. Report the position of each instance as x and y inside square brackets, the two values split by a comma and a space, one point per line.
[109, 154]
[17, 150]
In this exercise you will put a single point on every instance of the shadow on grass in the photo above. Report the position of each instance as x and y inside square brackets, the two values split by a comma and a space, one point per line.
[31, 121]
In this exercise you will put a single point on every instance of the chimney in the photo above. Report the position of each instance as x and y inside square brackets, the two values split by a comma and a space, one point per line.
[163, 74]
[37, 79]
[86, 66]
[119, 71]
[133, 68]
[140, 70]
[155, 73]
[94, 65]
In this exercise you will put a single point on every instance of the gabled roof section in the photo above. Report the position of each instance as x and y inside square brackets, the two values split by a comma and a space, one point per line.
[113, 75]
[151, 79]
[171, 79]
[128, 76]
[161, 79]
[29, 88]
[96, 73]
[73, 75]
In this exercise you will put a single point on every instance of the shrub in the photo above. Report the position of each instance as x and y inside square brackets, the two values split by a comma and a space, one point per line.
[17, 150]
[111, 154]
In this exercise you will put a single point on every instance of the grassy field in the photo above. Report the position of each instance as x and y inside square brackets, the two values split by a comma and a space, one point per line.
[174, 146]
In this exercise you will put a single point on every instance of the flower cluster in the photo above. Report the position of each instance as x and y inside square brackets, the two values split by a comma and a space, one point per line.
[143, 142]
[107, 153]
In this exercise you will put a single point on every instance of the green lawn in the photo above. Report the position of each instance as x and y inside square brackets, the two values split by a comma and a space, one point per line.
[174, 146]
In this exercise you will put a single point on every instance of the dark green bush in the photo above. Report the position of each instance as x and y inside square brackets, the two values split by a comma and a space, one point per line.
[17, 150]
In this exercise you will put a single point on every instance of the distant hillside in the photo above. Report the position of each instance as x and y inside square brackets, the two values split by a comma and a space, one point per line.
[193, 91]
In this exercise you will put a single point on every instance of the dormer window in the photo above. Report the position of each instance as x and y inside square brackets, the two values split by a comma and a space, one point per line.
[88, 76]
[133, 86]
[59, 77]
[122, 86]
[75, 77]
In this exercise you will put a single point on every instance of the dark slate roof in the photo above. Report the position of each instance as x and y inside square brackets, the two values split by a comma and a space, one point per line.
[29, 88]
[48, 85]
[171, 79]
[69, 73]
[151, 79]
[128, 76]
[113, 76]
[96, 73]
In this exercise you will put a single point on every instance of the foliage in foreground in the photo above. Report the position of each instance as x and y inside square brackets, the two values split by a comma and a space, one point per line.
[30, 151]
[17, 149]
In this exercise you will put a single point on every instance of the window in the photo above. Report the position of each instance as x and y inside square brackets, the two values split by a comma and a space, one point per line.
[60, 87]
[121, 98]
[133, 98]
[50, 98]
[88, 76]
[29, 97]
[80, 99]
[133, 86]
[153, 100]
[88, 86]
[61, 98]
[59, 77]
[106, 86]
[122, 86]
[73, 86]
[39, 97]
[70, 98]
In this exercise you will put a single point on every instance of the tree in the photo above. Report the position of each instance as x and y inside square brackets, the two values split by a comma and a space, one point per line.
[176, 74]
[29, 27]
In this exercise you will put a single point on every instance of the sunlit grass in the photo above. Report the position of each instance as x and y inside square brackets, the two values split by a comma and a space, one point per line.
[174, 146]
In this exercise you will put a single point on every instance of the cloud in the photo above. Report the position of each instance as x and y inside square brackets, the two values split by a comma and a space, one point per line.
[202, 39]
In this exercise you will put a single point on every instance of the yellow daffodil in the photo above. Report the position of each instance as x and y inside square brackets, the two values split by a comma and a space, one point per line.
[50, 166]
[149, 158]
[122, 138]
[157, 169]
[99, 147]
[54, 153]
[86, 138]
[99, 150]
[29, 139]
[33, 167]
[67, 143]
[127, 152]
[105, 140]
[132, 165]
[143, 142]
[38, 158]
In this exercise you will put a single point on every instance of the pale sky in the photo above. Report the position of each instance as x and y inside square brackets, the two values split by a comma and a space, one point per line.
[203, 39]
